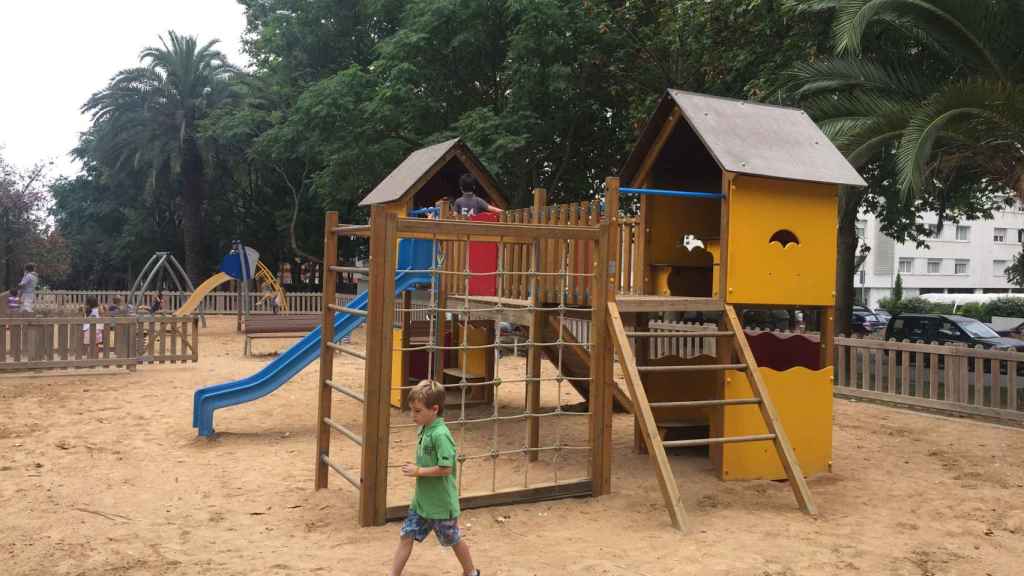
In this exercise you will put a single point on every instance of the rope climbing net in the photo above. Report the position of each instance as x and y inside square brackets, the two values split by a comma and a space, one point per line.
[470, 418]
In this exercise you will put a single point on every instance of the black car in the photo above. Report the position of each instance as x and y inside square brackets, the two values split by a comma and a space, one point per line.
[862, 322]
[948, 329]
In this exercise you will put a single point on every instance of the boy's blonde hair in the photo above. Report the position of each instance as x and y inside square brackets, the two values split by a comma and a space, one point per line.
[429, 393]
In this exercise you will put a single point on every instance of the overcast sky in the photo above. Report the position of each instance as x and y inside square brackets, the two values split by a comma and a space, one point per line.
[55, 53]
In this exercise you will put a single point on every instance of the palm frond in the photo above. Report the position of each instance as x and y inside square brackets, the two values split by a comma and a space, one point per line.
[961, 106]
[845, 73]
[953, 25]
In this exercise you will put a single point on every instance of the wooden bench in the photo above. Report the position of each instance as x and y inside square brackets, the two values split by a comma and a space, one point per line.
[278, 326]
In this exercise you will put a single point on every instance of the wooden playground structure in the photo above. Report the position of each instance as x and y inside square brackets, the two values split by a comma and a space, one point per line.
[737, 209]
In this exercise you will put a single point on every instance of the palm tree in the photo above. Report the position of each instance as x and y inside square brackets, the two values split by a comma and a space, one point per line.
[147, 118]
[932, 87]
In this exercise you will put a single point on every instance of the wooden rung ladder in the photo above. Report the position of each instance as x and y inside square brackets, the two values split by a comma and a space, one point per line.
[648, 426]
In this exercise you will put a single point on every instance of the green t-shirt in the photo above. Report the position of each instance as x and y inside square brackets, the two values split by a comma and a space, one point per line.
[436, 497]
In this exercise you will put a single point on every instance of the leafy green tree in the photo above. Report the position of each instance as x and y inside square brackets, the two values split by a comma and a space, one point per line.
[147, 117]
[923, 96]
[897, 289]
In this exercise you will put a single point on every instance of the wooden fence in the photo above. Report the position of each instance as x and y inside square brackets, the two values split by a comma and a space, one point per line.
[33, 343]
[566, 266]
[950, 378]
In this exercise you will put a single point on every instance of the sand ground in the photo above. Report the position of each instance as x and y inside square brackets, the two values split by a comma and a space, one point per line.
[102, 473]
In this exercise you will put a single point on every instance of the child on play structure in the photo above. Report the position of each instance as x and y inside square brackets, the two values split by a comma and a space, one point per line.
[469, 204]
[435, 504]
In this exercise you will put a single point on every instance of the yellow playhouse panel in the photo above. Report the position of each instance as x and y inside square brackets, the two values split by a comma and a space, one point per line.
[803, 399]
[782, 242]
[396, 369]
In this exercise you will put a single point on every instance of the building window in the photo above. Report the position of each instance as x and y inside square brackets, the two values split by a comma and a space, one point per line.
[933, 230]
[961, 266]
[999, 267]
[861, 225]
[934, 265]
[1020, 235]
[906, 265]
[999, 235]
[963, 233]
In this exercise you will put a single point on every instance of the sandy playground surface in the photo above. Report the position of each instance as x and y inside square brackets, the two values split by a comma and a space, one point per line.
[101, 473]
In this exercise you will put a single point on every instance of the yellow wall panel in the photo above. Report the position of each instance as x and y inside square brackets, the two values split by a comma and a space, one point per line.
[396, 369]
[803, 399]
[761, 271]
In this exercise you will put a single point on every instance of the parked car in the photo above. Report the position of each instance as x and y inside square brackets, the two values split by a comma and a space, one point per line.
[948, 329]
[883, 316]
[862, 322]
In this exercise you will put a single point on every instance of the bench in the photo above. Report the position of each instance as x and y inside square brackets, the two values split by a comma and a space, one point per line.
[278, 326]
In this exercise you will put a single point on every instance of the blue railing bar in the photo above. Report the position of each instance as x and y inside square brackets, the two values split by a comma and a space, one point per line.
[433, 210]
[677, 193]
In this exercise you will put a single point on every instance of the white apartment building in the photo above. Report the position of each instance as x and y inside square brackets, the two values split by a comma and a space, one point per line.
[965, 258]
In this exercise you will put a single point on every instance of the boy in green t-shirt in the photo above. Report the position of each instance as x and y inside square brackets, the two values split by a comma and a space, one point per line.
[435, 504]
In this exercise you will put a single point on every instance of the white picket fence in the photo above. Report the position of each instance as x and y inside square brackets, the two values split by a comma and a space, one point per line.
[214, 303]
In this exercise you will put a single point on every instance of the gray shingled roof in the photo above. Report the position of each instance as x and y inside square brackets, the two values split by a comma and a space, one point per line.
[752, 138]
[419, 166]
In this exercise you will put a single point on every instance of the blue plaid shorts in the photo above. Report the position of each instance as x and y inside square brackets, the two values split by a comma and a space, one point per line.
[418, 527]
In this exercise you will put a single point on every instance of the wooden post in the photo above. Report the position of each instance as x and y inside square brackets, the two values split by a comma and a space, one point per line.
[534, 354]
[376, 410]
[642, 355]
[724, 353]
[323, 408]
[723, 236]
[827, 328]
[443, 280]
[601, 372]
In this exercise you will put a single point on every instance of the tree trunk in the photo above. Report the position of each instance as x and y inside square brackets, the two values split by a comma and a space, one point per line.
[192, 211]
[849, 204]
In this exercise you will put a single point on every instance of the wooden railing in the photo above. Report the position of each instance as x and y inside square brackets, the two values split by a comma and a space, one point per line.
[34, 343]
[950, 378]
[566, 266]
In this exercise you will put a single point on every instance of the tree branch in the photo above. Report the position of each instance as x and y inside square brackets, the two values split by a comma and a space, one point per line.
[296, 194]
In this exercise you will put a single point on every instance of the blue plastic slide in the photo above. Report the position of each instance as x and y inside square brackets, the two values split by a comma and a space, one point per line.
[287, 365]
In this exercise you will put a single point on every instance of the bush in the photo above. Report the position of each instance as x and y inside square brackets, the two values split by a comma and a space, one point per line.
[911, 305]
[975, 310]
[1011, 306]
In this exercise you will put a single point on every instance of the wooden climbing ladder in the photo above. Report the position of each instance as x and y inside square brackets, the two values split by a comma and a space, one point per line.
[730, 328]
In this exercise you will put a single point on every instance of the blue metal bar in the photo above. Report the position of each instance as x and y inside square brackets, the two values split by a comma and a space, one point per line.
[677, 193]
[433, 210]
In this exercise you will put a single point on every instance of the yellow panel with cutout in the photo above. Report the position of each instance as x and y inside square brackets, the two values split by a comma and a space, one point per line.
[803, 399]
[782, 242]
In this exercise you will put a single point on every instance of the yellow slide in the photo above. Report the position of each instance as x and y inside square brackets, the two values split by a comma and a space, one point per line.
[201, 291]
[264, 275]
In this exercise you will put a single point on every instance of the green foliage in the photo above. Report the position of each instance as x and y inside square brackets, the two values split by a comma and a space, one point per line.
[909, 305]
[1010, 306]
[25, 235]
[1015, 270]
[975, 310]
[897, 290]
